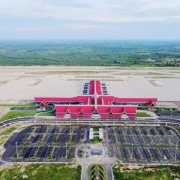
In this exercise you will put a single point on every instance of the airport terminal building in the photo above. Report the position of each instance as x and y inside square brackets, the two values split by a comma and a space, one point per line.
[95, 103]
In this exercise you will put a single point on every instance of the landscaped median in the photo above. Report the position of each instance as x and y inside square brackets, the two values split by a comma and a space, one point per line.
[47, 114]
[16, 114]
[97, 171]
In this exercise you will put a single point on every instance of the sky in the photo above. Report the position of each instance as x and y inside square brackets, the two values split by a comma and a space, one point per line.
[93, 19]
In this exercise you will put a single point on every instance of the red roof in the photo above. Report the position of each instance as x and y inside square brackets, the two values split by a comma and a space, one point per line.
[116, 109]
[83, 106]
[98, 87]
[74, 109]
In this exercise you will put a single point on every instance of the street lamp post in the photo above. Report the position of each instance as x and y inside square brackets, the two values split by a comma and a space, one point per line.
[175, 152]
[16, 150]
[66, 150]
[132, 152]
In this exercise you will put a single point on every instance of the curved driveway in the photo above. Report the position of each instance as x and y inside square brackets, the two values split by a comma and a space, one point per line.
[54, 120]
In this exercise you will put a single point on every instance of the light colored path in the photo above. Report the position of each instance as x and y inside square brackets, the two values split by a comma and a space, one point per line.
[6, 110]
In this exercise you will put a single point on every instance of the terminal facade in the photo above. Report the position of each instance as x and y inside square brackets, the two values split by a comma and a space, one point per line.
[95, 103]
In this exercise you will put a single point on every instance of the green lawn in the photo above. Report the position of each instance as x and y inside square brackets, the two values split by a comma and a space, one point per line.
[95, 128]
[41, 171]
[47, 114]
[96, 140]
[143, 114]
[148, 173]
[14, 114]
[29, 104]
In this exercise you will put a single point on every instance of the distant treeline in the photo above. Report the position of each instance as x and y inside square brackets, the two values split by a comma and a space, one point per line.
[90, 53]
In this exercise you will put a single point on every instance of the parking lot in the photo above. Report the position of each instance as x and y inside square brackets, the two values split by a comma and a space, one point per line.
[130, 144]
[144, 144]
[44, 143]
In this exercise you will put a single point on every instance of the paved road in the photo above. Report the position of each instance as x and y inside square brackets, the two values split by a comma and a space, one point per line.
[16, 120]
[109, 171]
[84, 171]
[7, 109]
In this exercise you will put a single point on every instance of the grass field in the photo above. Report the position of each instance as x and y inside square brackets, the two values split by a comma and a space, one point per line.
[47, 114]
[143, 114]
[41, 172]
[23, 105]
[15, 114]
[147, 172]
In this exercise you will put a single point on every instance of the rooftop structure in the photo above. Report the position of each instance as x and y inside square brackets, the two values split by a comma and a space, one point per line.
[94, 102]
[98, 134]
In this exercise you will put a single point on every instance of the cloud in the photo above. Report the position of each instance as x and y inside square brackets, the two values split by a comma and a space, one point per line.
[130, 19]
[33, 28]
[80, 26]
[94, 10]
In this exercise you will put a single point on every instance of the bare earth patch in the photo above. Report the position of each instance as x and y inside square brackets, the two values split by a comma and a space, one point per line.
[38, 81]
[3, 82]
[166, 104]
[154, 83]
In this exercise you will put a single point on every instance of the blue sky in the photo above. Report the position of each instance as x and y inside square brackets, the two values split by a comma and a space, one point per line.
[94, 19]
